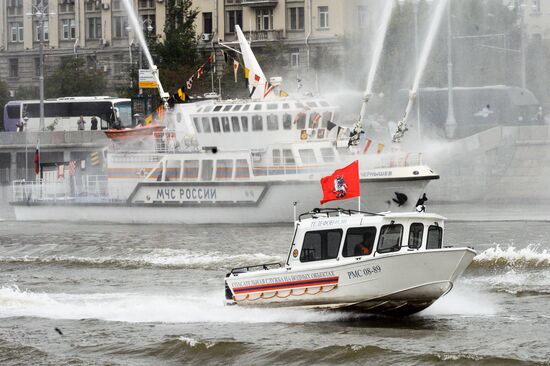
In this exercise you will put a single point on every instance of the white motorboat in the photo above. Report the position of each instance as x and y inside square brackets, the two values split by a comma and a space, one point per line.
[345, 260]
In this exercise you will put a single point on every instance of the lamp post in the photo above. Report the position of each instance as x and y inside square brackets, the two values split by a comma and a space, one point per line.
[450, 123]
[140, 55]
[40, 11]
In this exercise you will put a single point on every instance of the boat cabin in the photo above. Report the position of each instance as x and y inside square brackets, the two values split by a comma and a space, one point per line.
[344, 235]
[234, 124]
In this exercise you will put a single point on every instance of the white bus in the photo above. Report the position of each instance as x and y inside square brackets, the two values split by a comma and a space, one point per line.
[62, 114]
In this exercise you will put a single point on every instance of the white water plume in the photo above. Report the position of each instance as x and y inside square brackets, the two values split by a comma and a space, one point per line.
[139, 308]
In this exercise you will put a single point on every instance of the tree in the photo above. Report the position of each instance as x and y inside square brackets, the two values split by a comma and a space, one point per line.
[72, 78]
[4, 98]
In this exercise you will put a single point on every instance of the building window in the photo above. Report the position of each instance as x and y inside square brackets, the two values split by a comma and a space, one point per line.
[535, 7]
[234, 17]
[323, 17]
[362, 13]
[207, 23]
[264, 19]
[66, 8]
[296, 18]
[120, 27]
[37, 31]
[15, 7]
[149, 23]
[295, 58]
[14, 67]
[146, 4]
[37, 66]
[16, 32]
[94, 28]
[115, 4]
[68, 29]
[92, 6]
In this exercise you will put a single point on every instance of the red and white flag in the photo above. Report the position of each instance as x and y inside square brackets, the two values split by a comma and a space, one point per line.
[72, 168]
[342, 184]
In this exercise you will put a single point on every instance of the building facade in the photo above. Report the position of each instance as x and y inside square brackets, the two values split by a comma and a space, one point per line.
[97, 30]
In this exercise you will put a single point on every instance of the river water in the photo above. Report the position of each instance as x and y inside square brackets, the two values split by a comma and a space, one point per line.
[150, 295]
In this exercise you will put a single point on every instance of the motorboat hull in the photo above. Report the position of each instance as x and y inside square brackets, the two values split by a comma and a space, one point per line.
[401, 283]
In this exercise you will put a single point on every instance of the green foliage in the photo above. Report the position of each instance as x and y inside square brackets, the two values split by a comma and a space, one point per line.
[72, 78]
[4, 98]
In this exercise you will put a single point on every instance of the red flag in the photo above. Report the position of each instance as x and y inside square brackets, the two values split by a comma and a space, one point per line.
[342, 184]
[367, 145]
[37, 160]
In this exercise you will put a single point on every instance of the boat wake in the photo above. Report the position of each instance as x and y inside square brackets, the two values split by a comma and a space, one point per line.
[158, 258]
[530, 257]
[145, 308]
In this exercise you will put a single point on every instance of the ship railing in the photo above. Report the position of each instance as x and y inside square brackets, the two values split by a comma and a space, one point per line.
[25, 191]
[258, 267]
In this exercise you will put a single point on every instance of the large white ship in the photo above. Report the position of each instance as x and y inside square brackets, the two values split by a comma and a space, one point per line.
[229, 161]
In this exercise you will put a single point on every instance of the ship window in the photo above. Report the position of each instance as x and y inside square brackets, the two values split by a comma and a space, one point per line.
[300, 105]
[241, 169]
[227, 107]
[272, 122]
[435, 237]
[217, 108]
[307, 156]
[235, 124]
[246, 107]
[206, 173]
[314, 118]
[359, 241]
[257, 124]
[287, 121]
[244, 121]
[237, 107]
[311, 104]
[224, 169]
[257, 107]
[225, 124]
[215, 124]
[321, 245]
[206, 125]
[390, 238]
[323, 103]
[208, 108]
[289, 158]
[300, 120]
[326, 119]
[276, 157]
[328, 154]
[415, 235]
[197, 124]
[286, 106]
[271, 106]
[190, 169]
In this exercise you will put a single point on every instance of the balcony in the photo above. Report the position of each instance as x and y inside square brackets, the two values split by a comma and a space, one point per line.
[256, 3]
[265, 35]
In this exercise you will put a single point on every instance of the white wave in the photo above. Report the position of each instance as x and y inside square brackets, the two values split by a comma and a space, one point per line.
[530, 256]
[138, 308]
[464, 300]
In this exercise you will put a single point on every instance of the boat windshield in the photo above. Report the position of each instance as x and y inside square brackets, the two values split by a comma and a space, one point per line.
[124, 113]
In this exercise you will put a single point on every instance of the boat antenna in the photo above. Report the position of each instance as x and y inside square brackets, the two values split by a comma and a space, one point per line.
[294, 208]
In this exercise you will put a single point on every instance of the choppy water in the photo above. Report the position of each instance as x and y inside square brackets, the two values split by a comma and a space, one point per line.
[149, 295]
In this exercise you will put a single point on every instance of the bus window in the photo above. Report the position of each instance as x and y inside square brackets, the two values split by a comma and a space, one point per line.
[206, 171]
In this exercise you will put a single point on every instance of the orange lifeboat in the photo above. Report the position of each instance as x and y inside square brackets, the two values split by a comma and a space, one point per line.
[130, 133]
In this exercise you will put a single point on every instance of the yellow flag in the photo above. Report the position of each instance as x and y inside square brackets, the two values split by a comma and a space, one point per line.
[379, 148]
[283, 94]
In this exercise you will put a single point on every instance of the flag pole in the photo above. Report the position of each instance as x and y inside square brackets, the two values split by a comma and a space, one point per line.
[359, 203]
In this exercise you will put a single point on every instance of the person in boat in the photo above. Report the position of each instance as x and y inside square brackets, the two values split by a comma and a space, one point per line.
[93, 123]
[81, 123]
[365, 246]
